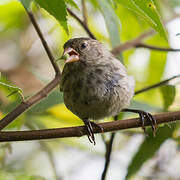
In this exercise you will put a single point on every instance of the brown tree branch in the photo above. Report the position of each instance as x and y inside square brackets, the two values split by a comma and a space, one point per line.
[82, 24]
[42, 93]
[156, 48]
[44, 43]
[136, 43]
[7, 136]
[132, 43]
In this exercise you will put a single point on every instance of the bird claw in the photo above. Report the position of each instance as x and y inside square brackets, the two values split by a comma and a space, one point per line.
[142, 115]
[98, 126]
[90, 132]
[150, 118]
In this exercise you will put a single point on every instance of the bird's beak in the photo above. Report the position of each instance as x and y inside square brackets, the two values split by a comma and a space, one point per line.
[73, 55]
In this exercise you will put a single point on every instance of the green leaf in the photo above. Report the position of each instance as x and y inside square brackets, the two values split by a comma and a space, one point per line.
[57, 8]
[177, 34]
[168, 94]
[147, 10]
[26, 3]
[12, 89]
[148, 148]
[112, 21]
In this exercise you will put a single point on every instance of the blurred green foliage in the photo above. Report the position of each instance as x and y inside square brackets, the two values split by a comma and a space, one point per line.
[123, 20]
[148, 148]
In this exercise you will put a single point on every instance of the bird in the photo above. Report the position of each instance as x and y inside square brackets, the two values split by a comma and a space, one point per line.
[95, 84]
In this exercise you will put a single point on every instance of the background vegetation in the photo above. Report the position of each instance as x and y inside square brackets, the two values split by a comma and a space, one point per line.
[25, 69]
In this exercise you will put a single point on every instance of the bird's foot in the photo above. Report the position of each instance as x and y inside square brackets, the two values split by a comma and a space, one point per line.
[90, 133]
[148, 116]
[98, 126]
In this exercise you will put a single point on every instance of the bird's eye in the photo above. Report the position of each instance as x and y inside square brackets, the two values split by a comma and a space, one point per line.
[83, 45]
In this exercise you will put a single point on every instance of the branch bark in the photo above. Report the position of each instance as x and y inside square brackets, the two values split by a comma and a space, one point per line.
[7, 136]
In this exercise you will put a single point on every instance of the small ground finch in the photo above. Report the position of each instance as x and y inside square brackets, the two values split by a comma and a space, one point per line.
[95, 84]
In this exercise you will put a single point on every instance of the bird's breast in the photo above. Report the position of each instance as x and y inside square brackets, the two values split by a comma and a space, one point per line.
[95, 93]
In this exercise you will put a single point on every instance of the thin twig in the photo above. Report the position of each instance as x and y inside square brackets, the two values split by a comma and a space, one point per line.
[109, 146]
[82, 24]
[156, 48]
[42, 93]
[156, 85]
[108, 155]
[132, 43]
[6, 136]
[44, 43]
[84, 12]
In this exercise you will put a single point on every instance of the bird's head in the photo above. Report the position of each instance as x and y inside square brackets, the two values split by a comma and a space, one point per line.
[84, 50]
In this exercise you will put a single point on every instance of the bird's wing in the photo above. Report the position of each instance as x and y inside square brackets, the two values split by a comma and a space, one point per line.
[60, 87]
[63, 77]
